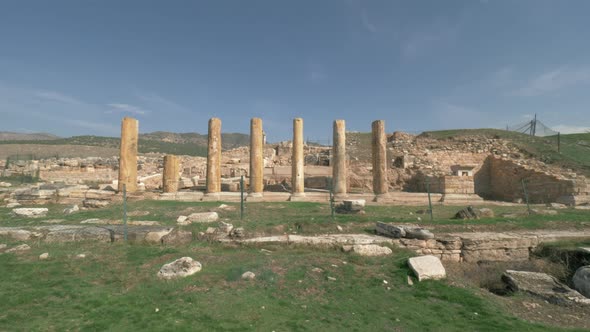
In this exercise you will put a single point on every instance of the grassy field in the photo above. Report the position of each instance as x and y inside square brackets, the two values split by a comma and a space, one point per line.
[115, 288]
[313, 218]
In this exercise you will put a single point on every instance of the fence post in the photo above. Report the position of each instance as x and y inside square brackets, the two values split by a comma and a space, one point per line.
[526, 197]
[332, 198]
[125, 212]
[429, 199]
[242, 197]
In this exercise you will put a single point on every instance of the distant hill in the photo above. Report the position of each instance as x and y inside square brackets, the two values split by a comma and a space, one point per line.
[10, 136]
[191, 144]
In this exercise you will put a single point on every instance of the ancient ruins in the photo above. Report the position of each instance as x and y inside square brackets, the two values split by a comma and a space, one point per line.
[397, 169]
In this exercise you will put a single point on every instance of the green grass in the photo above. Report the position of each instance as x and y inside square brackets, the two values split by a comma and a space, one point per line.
[311, 218]
[115, 288]
[574, 148]
[190, 144]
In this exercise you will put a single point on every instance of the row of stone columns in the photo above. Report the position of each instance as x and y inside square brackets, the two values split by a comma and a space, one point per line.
[128, 159]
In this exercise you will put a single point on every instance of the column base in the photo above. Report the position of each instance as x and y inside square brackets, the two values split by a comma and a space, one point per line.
[297, 197]
[255, 197]
[381, 198]
[211, 197]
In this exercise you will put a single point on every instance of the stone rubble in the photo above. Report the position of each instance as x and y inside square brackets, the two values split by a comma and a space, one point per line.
[30, 212]
[367, 250]
[544, 286]
[180, 268]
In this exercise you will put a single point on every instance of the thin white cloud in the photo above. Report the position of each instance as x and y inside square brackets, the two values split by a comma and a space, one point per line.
[127, 108]
[424, 40]
[554, 80]
[567, 129]
[102, 127]
[57, 97]
[367, 23]
[156, 101]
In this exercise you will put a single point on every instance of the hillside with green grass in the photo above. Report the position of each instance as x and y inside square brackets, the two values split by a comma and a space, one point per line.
[191, 144]
[568, 151]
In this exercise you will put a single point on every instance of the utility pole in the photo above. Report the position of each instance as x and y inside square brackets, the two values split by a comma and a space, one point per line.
[534, 126]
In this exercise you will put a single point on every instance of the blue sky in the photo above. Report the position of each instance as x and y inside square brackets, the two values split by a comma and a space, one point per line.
[77, 67]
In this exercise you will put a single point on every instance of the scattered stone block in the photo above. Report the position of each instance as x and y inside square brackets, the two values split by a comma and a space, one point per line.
[544, 212]
[471, 212]
[44, 256]
[427, 267]
[19, 248]
[182, 220]
[351, 206]
[30, 212]
[71, 209]
[237, 233]
[248, 275]
[581, 280]
[224, 228]
[544, 286]
[12, 205]
[5, 184]
[203, 217]
[399, 231]
[94, 203]
[557, 206]
[180, 268]
[368, 250]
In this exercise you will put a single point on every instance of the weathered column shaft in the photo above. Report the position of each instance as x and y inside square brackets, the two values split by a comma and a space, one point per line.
[379, 145]
[339, 171]
[128, 156]
[214, 156]
[170, 175]
[256, 157]
[297, 162]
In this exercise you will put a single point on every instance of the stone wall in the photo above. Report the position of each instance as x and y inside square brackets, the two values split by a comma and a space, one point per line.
[542, 187]
[458, 185]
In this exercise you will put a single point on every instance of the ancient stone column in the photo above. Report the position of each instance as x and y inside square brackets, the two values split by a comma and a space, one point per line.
[214, 156]
[297, 162]
[379, 145]
[339, 171]
[256, 158]
[170, 175]
[128, 156]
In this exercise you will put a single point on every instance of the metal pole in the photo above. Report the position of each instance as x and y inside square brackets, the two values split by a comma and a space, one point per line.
[332, 198]
[125, 212]
[429, 200]
[242, 197]
[558, 142]
[526, 196]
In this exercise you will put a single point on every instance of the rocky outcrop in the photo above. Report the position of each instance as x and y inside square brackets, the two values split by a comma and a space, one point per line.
[180, 268]
[544, 286]
[403, 231]
[581, 280]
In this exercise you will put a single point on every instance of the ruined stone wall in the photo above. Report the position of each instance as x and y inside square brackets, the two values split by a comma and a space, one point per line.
[542, 187]
[458, 184]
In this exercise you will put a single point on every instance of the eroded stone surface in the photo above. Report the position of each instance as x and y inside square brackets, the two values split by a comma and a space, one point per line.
[368, 249]
[427, 267]
[581, 280]
[30, 212]
[180, 268]
[544, 286]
